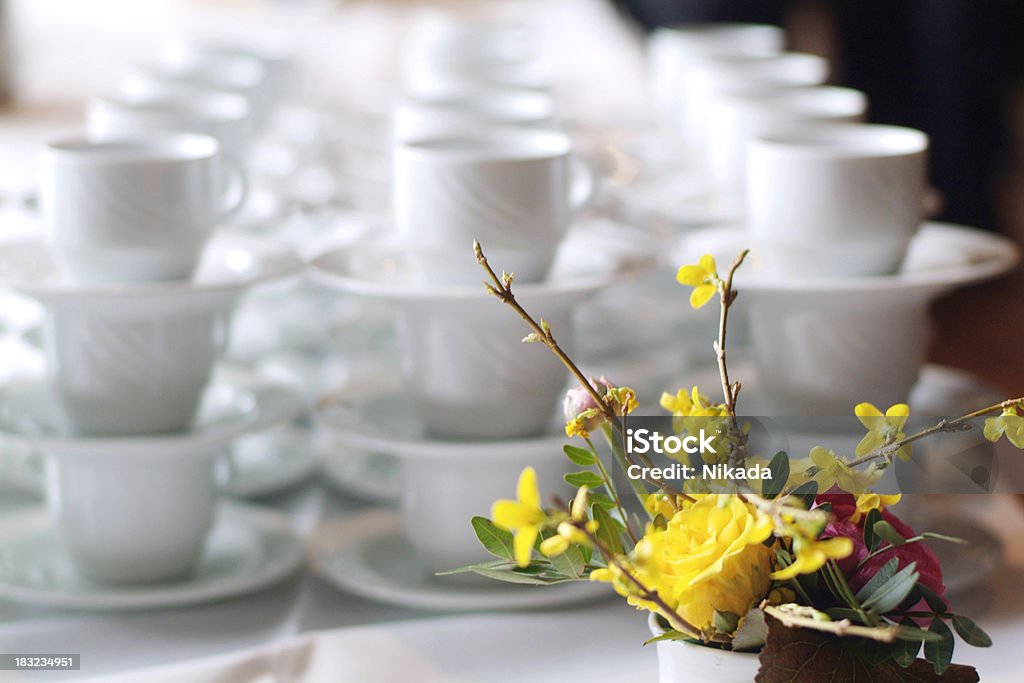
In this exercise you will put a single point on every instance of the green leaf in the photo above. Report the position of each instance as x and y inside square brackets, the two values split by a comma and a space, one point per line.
[936, 603]
[604, 501]
[497, 542]
[970, 632]
[904, 651]
[939, 652]
[799, 655]
[805, 493]
[779, 468]
[890, 594]
[607, 529]
[579, 456]
[871, 539]
[584, 478]
[943, 537]
[511, 575]
[750, 635]
[888, 532]
[887, 571]
[571, 563]
[908, 631]
[726, 622]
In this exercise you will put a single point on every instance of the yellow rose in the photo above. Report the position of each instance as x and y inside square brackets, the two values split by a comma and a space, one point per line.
[710, 557]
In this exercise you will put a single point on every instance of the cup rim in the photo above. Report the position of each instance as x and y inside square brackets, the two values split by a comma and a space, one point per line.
[782, 69]
[812, 101]
[209, 106]
[490, 144]
[844, 141]
[235, 74]
[718, 30]
[158, 148]
[522, 104]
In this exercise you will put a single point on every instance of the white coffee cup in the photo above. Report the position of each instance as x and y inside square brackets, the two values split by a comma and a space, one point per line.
[670, 49]
[242, 76]
[469, 374]
[836, 200]
[446, 51]
[441, 495]
[735, 120]
[223, 116]
[452, 113]
[133, 518]
[125, 367]
[821, 352]
[515, 190]
[281, 73]
[135, 209]
[705, 77]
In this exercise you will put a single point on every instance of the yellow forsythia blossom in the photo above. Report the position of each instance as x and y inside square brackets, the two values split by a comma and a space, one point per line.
[524, 516]
[882, 429]
[704, 279]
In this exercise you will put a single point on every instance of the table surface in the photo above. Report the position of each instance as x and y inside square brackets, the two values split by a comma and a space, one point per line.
[354, 47]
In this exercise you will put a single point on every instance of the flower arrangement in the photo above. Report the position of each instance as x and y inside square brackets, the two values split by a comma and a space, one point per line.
[807, 567]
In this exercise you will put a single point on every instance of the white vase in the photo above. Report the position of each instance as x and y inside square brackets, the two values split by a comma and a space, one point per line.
[683, 662]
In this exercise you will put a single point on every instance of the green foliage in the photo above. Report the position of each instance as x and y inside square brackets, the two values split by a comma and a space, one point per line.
[939, 652]
[579, 456]
[584, 478]
[497, 542]
[779, 468]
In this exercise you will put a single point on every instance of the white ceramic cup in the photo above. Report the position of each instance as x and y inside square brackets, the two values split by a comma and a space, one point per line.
[440, 496]
[281, 72]
[836, 200]
[141, 518]
[452, 113]
[242, 76]
[823, 352]
[671, 49]
[469, 374]
[446, 50]
[223, 116]
[736, 119]
[135, 209]
[515, 190]
[128, 368]
[704, 77]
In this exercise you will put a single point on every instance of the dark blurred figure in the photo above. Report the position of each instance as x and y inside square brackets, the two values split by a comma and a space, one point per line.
[948, 67]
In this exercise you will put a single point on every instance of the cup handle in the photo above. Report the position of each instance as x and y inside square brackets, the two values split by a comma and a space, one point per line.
[236, 192]
[582, 185]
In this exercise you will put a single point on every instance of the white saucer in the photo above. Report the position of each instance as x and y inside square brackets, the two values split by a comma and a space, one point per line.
[387, 423]
[233, 404]
[250, 548]
[260, 465]
[382, 269]
[230, 264]
[367, 555]
[941, 257]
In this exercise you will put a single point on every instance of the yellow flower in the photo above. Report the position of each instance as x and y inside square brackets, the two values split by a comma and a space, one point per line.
[866, 502]
[1009, 423]
[830, 470]
[704, 279]
[711, 556]
[812, 555]
[882, 429]
[524, 517]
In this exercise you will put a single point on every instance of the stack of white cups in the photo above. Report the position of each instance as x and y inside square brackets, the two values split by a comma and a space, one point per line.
[718, 86]
[478, 154]
[137, 310]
